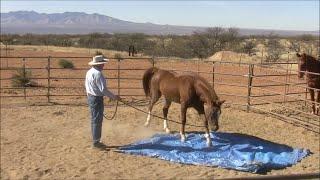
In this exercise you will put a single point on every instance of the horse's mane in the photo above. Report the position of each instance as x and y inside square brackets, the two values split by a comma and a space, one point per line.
[214, 96]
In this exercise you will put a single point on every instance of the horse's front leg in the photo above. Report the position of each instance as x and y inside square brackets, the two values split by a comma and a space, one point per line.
[183, 121]
[207, 133]
[165, 114]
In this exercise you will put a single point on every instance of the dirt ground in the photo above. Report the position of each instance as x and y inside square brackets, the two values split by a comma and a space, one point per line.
[53, 142]
[46, 141]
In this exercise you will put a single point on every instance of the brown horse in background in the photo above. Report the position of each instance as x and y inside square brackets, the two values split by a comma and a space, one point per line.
[190, 90]
[306, 65]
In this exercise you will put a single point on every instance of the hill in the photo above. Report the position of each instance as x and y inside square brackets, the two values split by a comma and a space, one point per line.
[22, 22]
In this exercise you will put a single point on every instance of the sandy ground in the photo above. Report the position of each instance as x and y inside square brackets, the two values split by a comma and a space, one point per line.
[53, 142]
[45, 141]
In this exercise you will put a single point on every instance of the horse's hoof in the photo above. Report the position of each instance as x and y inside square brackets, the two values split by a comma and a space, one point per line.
[183, 139]
[209, 144]
[167, 130]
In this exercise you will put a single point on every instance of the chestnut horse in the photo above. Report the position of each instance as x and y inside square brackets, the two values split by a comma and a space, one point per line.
[190, 90]
[306, 65]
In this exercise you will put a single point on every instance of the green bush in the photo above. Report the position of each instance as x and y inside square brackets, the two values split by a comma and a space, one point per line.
[21, 78]
[66, 64]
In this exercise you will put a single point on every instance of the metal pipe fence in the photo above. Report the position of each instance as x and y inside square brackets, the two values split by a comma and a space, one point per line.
[255, 86]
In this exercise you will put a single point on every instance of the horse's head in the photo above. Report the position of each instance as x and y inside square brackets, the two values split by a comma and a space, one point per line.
[302, 64]
[213, 113]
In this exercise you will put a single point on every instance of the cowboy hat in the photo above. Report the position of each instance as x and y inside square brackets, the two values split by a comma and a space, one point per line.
[96, 60]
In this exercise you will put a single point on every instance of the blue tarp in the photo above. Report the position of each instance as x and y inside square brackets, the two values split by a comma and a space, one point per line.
[229, 150]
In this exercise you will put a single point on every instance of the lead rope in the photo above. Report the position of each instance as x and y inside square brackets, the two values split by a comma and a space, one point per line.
[114, 113]
[127, 104]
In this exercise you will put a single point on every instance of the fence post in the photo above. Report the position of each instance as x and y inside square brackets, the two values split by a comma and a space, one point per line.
[24, 77]
[250, 75]
[305, 97]
[198, 66]
[286, 84]
[118, 77]
[261, 61]
[7, 54]
[152, 61]
[48, 69]
[6, 51]
[213, 74]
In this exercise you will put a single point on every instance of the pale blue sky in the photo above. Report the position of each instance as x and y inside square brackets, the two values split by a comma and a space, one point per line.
[285, 14]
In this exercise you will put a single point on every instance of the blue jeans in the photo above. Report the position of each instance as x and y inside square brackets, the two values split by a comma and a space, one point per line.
[96, 108]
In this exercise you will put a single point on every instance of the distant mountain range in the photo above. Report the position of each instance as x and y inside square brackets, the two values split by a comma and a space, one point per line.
[22, 22]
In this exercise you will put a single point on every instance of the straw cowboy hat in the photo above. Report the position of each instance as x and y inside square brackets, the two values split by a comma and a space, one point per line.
[96, 60]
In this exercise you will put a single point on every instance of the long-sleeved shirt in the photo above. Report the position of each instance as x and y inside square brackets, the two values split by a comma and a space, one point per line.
[96, 84]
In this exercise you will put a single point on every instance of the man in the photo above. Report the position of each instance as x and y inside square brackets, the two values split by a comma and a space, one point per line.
[96, 88]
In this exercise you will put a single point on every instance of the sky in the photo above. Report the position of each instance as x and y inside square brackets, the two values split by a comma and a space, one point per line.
[265, 14]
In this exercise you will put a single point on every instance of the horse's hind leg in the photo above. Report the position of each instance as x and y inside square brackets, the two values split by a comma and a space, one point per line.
[165, 109]
[312, 101]
[154, 98]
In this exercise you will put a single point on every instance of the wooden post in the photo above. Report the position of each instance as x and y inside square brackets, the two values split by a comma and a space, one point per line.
[213, 74]
[240, 59]
[48, 70]
[24, 77]
[289, 78]
[261, 56]
[286, 84]
[306, 97]
[118, 77]
[250, 75]
[7, 53]
[222, 56]
[152, 61]
[47, 46]
[198, 66]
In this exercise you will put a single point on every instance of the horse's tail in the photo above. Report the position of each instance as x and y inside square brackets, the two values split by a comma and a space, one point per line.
[146, 79]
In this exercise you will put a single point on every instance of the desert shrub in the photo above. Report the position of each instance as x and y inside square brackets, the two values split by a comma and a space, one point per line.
[63, 63]
[274, 50]
[248, 47]
[98, 53]
[273, 56]
[22, 78]
[118, 57]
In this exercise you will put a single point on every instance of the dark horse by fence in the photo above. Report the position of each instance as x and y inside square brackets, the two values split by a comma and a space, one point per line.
[190, 90]
[309, 65]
